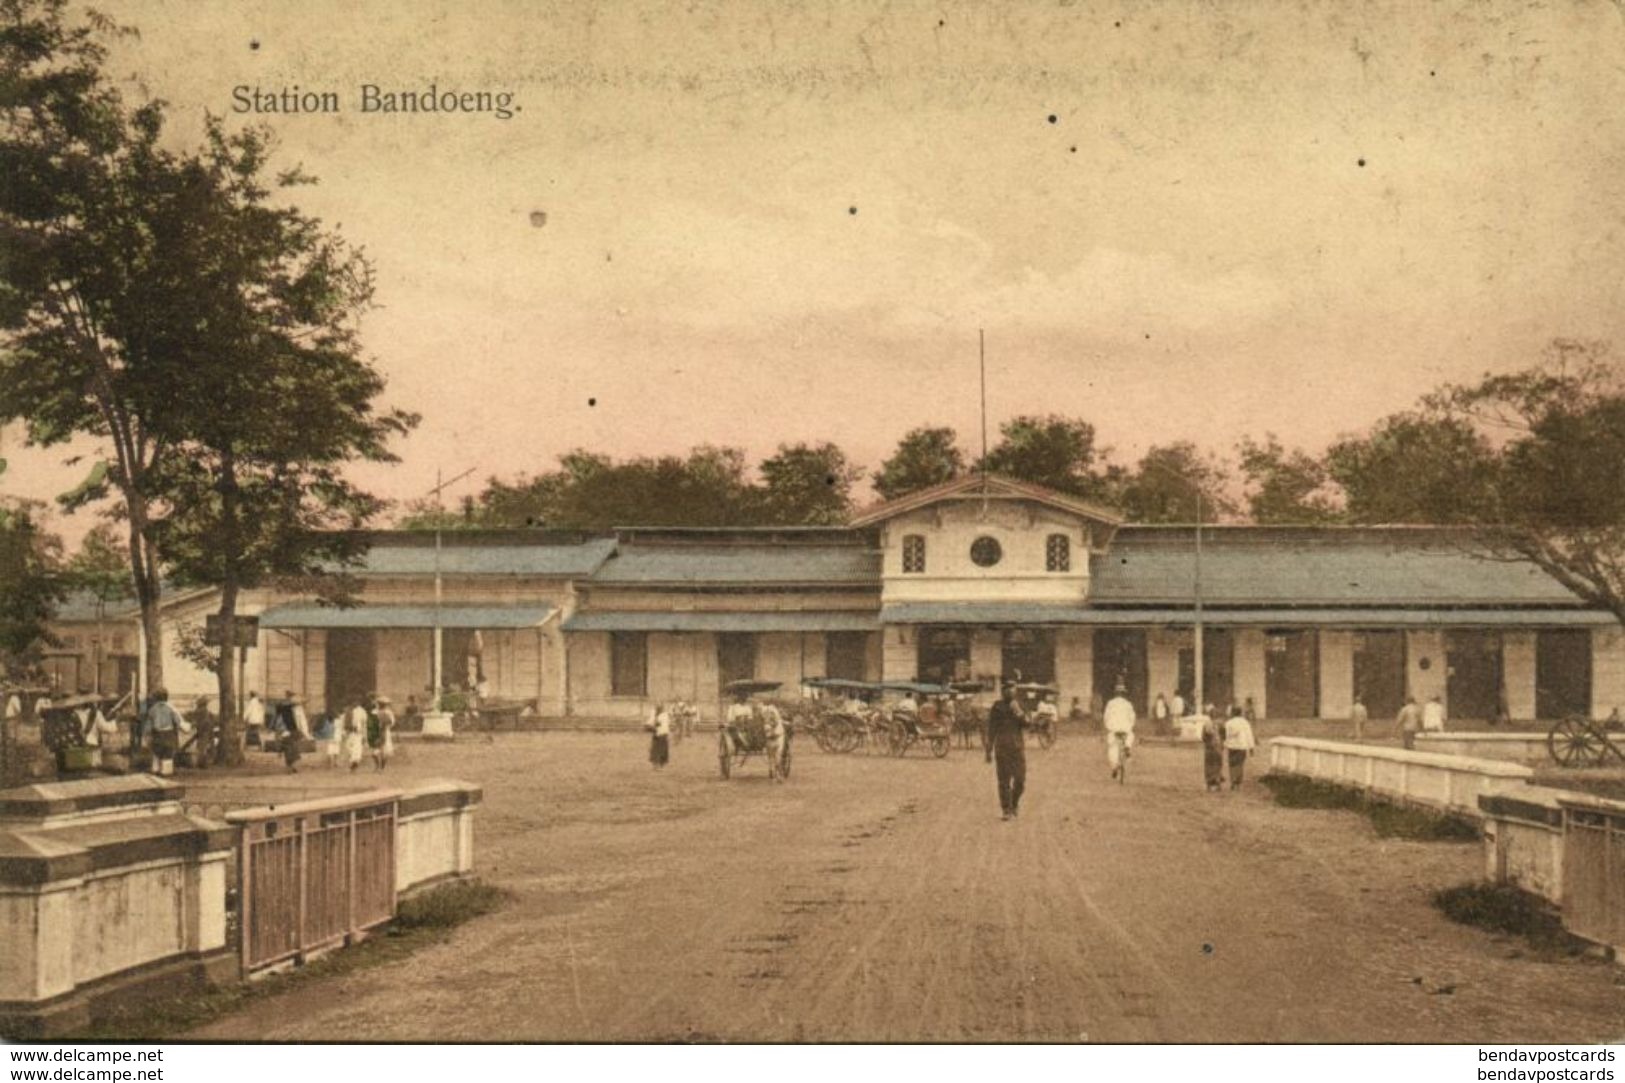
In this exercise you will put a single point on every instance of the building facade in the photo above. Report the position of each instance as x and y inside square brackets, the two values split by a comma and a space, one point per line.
[977, 579]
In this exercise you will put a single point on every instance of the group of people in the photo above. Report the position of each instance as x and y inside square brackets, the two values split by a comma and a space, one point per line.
[1226, 742]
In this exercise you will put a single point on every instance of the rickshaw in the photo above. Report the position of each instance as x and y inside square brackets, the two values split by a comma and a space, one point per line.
[969, 717]
[834, 728]
[1028, 694]
[742, 738]
[925, 724]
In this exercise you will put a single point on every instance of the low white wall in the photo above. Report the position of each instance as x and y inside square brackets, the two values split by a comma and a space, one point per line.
[81, 904]
[1509, 747]
[1449, 783]
[1523, 840]
[434, 833]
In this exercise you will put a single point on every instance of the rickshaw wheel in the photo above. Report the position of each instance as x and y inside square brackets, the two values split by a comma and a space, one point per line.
[1573, 744]
[939, 747]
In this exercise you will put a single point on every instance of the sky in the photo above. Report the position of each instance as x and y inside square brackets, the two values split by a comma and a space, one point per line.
[780, 221]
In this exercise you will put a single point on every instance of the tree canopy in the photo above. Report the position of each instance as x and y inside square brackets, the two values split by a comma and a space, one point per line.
[924, 457]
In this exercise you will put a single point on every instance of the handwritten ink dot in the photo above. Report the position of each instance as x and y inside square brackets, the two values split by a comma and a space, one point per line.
[829, 479]
[1072, 150]
[592, 402]
[1207, 949]
[1118, 25]
[538, 218]
[1360, 163]
[1434, 73]
[1053, 118]
[942, 22]
[254, 44]
[851, 210]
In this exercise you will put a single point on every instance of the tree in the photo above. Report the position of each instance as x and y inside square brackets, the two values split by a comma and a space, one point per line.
[1529, 463]
[84, 178]
[1163, 487]
[1421, 467]
[31, 586]
[1056, 452]
[807, 485]
[1286, 487]
[272, 395]
[924, 457]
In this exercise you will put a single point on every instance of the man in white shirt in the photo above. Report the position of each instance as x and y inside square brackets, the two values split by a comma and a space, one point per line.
[1238, 744]
[1119, 719]
[254, 720]
[1433, 716]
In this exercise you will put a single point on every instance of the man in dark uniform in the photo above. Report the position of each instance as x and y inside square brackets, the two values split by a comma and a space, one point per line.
[1005, 746]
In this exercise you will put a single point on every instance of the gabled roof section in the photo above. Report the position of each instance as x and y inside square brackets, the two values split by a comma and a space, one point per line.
[992, 486]
[476, 553]
[742, 566]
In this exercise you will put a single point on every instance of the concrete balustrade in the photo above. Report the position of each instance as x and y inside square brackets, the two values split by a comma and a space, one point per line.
[107, 889]
[1523, 840]
[1447, 783]
[434, 834]
[1509, 747]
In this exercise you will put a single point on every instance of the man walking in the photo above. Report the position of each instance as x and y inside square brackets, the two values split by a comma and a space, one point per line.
[1238, 744]
[1005, 749]
[1409, 721]
[1119, 722]
[162, 727]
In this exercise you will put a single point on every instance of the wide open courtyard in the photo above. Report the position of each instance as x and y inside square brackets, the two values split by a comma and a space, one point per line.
[870, 898]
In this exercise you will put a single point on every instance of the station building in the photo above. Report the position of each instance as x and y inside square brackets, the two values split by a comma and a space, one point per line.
[977, 578]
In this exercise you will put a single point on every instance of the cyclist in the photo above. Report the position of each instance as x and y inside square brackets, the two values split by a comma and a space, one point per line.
[1119, 719]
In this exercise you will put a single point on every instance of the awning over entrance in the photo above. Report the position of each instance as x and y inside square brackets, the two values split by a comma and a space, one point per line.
[1009, 613]
[628, 621]
[406, 616]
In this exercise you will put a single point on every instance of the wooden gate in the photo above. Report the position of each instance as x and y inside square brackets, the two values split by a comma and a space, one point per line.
[1594, 872]
[313, 875]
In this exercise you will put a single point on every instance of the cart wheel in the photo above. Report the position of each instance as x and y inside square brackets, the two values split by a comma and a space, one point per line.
[1573, 743]
[1046, 737]
[784, 762]
[939, 747]
[725, 762]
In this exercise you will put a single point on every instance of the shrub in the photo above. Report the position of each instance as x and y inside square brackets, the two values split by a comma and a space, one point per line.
[1387, 819]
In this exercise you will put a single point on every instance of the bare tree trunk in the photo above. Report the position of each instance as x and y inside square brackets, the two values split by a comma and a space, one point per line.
[229, 749]
[148, 594]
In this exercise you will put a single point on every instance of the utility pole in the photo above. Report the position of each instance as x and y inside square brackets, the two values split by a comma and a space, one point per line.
[1196, 590]
[439, 726]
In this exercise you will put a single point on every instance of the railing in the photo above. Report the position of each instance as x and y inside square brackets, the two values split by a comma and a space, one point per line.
[1594, 870]
[313, 875]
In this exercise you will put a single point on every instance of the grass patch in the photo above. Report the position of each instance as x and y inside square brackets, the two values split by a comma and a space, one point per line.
[1502, 908]
[1390, 821]
[420, 921]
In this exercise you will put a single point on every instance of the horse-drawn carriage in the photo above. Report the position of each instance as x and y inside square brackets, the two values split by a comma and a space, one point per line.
[848, 715]
[752, 726]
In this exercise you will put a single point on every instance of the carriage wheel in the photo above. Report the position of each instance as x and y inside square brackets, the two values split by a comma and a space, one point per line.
[1046, 737]
[849, 738]
[784, 762]
[1573, 743]
[898, 742]
[939, 747]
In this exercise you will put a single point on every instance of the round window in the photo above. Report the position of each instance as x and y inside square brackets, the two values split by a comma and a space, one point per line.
[985, 551]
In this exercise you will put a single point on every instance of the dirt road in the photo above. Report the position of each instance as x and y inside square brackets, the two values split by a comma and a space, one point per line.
[881, 899]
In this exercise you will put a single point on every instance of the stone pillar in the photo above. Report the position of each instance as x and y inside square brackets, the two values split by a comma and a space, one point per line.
[1423, 684]
[986, 653]
[1336, 673]
[1607, 670]
[1518, 673]
[1074, 666]
[899, 652]
[1161, 663]
[1250, 679]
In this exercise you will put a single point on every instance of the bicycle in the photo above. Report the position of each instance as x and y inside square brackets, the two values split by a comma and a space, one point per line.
[1118, 753]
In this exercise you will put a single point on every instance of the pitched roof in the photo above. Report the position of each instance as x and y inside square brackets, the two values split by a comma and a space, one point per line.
[474, 556]
[1313, 566]
[742, 565]
[995, 486]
